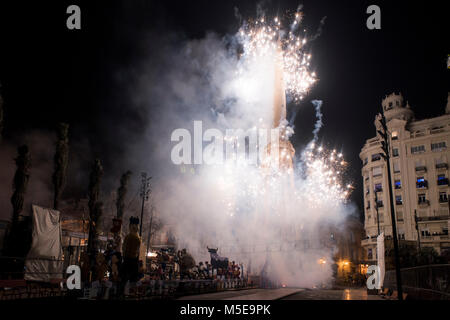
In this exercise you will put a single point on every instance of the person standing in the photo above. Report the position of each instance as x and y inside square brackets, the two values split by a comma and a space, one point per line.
[130, 249]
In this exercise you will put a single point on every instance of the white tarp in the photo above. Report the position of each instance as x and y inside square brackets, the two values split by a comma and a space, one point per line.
[43, 261]
[380, 257]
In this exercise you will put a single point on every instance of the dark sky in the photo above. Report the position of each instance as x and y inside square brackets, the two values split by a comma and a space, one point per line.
[50, 74]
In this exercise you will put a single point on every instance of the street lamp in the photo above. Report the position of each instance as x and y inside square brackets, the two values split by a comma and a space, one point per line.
[416, 220]
[376, 208]
[386, 148]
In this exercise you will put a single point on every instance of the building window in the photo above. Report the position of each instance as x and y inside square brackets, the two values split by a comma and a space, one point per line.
[398, 184]
[398, 200]
[394, 135]
[368, 205]
[421, 213]
[425, 233]
[441, 164]
[378, 187]
[438, 146]
[369, 254]
[377, 171]
[443, 197]
[396, 167]
[442, 180]
[366, 160]
[422, 198]
[417, 149]
[380, 204]
[376, 157]
[395, 152]
[421, 183]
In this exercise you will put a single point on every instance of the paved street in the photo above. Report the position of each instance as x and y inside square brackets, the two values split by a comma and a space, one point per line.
[328, 294]
[287, 294]
[250, 294]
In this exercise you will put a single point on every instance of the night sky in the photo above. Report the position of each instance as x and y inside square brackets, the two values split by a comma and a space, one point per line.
[50, 74]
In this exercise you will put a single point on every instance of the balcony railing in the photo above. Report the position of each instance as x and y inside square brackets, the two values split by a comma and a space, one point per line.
[421, 169]
[424, 202]
[368, 241]
[422, 185]
[437, 130]
[443, 200]
[434, 218]
[435, 237]
[441, 166]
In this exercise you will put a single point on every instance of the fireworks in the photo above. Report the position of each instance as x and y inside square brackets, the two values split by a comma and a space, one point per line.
[324, 174]
[317, 180]
[266, 38]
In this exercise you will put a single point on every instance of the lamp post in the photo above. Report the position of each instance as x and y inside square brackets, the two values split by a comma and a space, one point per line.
[385, 146]
[150, 229]
[416, 219]
[376, 208]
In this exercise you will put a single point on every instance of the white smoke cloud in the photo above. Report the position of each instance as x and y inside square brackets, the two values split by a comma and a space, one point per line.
[276, 224]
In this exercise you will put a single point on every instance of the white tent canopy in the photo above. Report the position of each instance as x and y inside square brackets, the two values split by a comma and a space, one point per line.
[44, 260]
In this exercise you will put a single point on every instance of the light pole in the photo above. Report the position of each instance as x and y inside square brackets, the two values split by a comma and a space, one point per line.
[376, 208]
[150, 229]
[416, 219]
[386, 148]
[145, 191]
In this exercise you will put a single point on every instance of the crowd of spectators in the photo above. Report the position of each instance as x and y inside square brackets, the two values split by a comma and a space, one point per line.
[168, 265]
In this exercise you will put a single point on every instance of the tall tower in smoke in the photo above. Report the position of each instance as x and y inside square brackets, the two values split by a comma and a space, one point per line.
[285, 149]
[279, 94]
[279, 196]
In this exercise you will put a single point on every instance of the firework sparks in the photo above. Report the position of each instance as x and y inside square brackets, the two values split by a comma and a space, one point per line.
[263, 38]
[324, 175]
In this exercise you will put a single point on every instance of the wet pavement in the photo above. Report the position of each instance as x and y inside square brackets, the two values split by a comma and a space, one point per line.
[287, 294]
[330, 294]
[249, 294]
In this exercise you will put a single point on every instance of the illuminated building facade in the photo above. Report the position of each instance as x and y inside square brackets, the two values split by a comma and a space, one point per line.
[420, 178]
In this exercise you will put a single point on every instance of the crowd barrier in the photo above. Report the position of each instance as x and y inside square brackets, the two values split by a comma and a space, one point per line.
[160, 289]
[431, 282]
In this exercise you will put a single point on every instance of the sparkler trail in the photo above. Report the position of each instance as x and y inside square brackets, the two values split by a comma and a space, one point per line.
[319, 123]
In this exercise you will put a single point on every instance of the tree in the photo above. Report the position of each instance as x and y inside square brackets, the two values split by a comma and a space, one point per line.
[121, 193]
[61, 161]
[18, 235]
[428, 256]
[20, 182]
[95, 205]
[120, 205]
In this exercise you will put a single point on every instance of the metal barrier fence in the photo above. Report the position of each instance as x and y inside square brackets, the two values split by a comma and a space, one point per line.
[14, 286]
[160, 289]
[423, 282]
